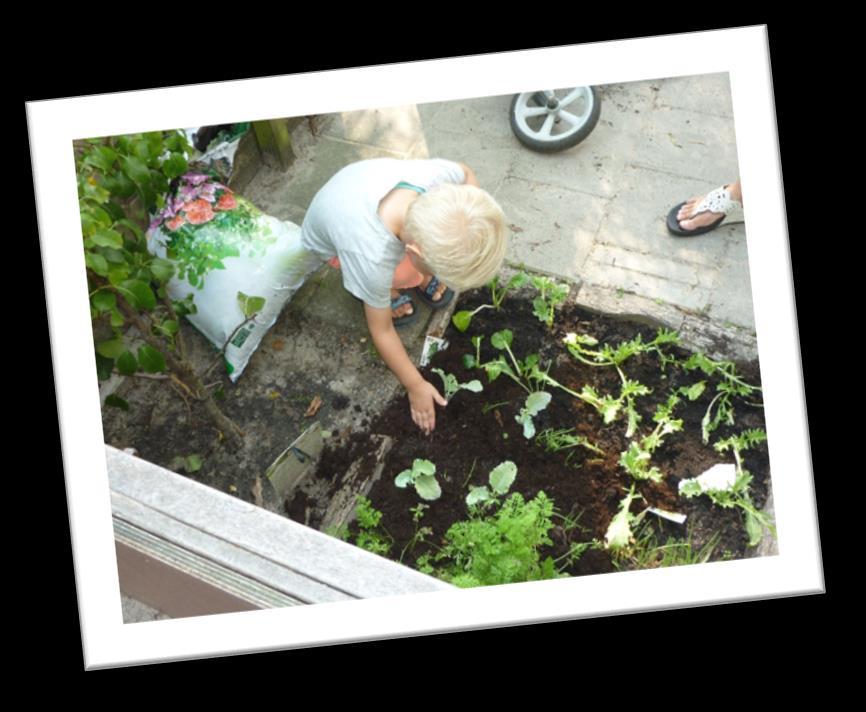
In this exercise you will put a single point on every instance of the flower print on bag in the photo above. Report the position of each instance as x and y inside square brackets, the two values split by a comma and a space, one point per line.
[198, 212]
[226, 202]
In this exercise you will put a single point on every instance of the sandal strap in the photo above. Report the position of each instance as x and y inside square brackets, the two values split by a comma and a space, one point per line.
[431, 287]
[401, 300]
[718, 201]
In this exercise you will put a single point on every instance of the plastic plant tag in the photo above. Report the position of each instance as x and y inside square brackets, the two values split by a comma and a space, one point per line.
[432, 346]
[671, 516]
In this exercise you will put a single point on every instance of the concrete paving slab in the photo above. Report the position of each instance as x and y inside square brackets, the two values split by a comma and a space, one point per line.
[395, 129]
[552, 228]
[705, 93]
[484, 116]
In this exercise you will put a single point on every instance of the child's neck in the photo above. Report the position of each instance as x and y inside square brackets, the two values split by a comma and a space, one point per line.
[393, 208]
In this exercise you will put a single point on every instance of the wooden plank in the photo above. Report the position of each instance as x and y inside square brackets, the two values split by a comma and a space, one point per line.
[357, 480]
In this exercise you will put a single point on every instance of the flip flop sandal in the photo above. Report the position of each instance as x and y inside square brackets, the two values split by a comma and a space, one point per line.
[406, 318]
[426, 295]
[716, 201]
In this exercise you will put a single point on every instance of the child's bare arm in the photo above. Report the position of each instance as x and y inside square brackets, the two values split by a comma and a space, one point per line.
[422, 393]
[471, 178]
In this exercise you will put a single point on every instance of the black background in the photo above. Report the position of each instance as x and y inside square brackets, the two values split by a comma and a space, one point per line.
[630, 647]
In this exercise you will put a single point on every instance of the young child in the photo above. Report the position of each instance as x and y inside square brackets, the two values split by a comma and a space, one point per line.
[395, 224]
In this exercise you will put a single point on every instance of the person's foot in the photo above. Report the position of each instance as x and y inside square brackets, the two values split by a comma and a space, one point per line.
[438, 292]
[706, 212]
[403, 308]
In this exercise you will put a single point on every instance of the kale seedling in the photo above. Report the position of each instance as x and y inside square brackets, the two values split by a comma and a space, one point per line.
[636, 459]
[420, 533]
[535, 403]
[733, 491]
[731, 385]
[451, 385]
[462, 319]
[501, 478]
[423, 477]
[551, 295]
[619, 534]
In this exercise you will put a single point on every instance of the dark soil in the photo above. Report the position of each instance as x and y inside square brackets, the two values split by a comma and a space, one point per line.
[476, 432]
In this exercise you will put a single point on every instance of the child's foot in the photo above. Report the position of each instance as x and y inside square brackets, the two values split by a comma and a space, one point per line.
[434, 293]
[402, 309]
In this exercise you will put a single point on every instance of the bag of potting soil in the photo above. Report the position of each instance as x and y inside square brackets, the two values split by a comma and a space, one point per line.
[239, 265]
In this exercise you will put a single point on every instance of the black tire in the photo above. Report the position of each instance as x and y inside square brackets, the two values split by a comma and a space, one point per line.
[529, 135]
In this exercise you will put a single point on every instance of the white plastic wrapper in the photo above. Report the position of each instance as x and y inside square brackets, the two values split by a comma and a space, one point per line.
[235, 261]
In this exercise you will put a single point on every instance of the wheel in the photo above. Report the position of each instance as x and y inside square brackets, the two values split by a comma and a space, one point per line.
[553, 120]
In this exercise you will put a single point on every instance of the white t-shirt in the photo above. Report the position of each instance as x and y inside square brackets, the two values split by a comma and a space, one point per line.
[343, 220]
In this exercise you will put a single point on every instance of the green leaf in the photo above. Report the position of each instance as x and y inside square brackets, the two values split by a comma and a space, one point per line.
[404, 478]
[169, 327]
[502, 476]
[151, 360]
[108, 238]
[525, 419]
[102, 158]
[427, 487]
[136, 170]
[536, 402]
[539, 308]
[753, 529]
[104, 367]
[175, 166]
[469, 361]
[113, 348]
[193, 463]
[116, 402]
[117, 319]
[96, 263]
[132, 227]
[162, 269]
[424, 467]
[127, 364]
[502, 339]
[477, 494]
[473, 385]
[250, 305]
[461, 320]
[104, 300]
[138, 294]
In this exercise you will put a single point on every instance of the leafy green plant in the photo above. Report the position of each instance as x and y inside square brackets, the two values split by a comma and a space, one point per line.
[420, 533]
[734, 492]
[564, 439]
[636, 459]
[502, 547]
[730, 385]
[423, 477]
[619, 533]
[451, 385]
[648, 553]
[121, 181]
[501, 478]
[462, 319]
[550, 296]
[371, 535]
[535, 403]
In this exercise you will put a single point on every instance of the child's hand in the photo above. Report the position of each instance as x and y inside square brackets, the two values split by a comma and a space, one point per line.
[421, 405]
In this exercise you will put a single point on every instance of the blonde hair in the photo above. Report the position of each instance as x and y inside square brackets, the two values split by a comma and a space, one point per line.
[461, 232]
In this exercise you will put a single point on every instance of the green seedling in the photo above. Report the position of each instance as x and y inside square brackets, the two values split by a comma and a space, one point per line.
[535, 403]
[423, 477]
[636, 459]
[730, 385]
[451, 384]
[462, 319]
[189, 464]
[371, 536]
[578, 346]
[556, 440]
[421, 533]
[733, 492]
[501, 478]
[619, 533]
[551, 295]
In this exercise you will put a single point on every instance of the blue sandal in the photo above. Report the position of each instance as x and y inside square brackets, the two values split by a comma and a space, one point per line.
[426, 294]
[406, 318]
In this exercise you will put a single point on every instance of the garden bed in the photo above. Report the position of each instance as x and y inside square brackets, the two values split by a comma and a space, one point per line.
[478, 431]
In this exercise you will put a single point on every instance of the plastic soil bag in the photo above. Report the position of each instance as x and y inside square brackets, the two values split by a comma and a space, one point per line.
[240, 265]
